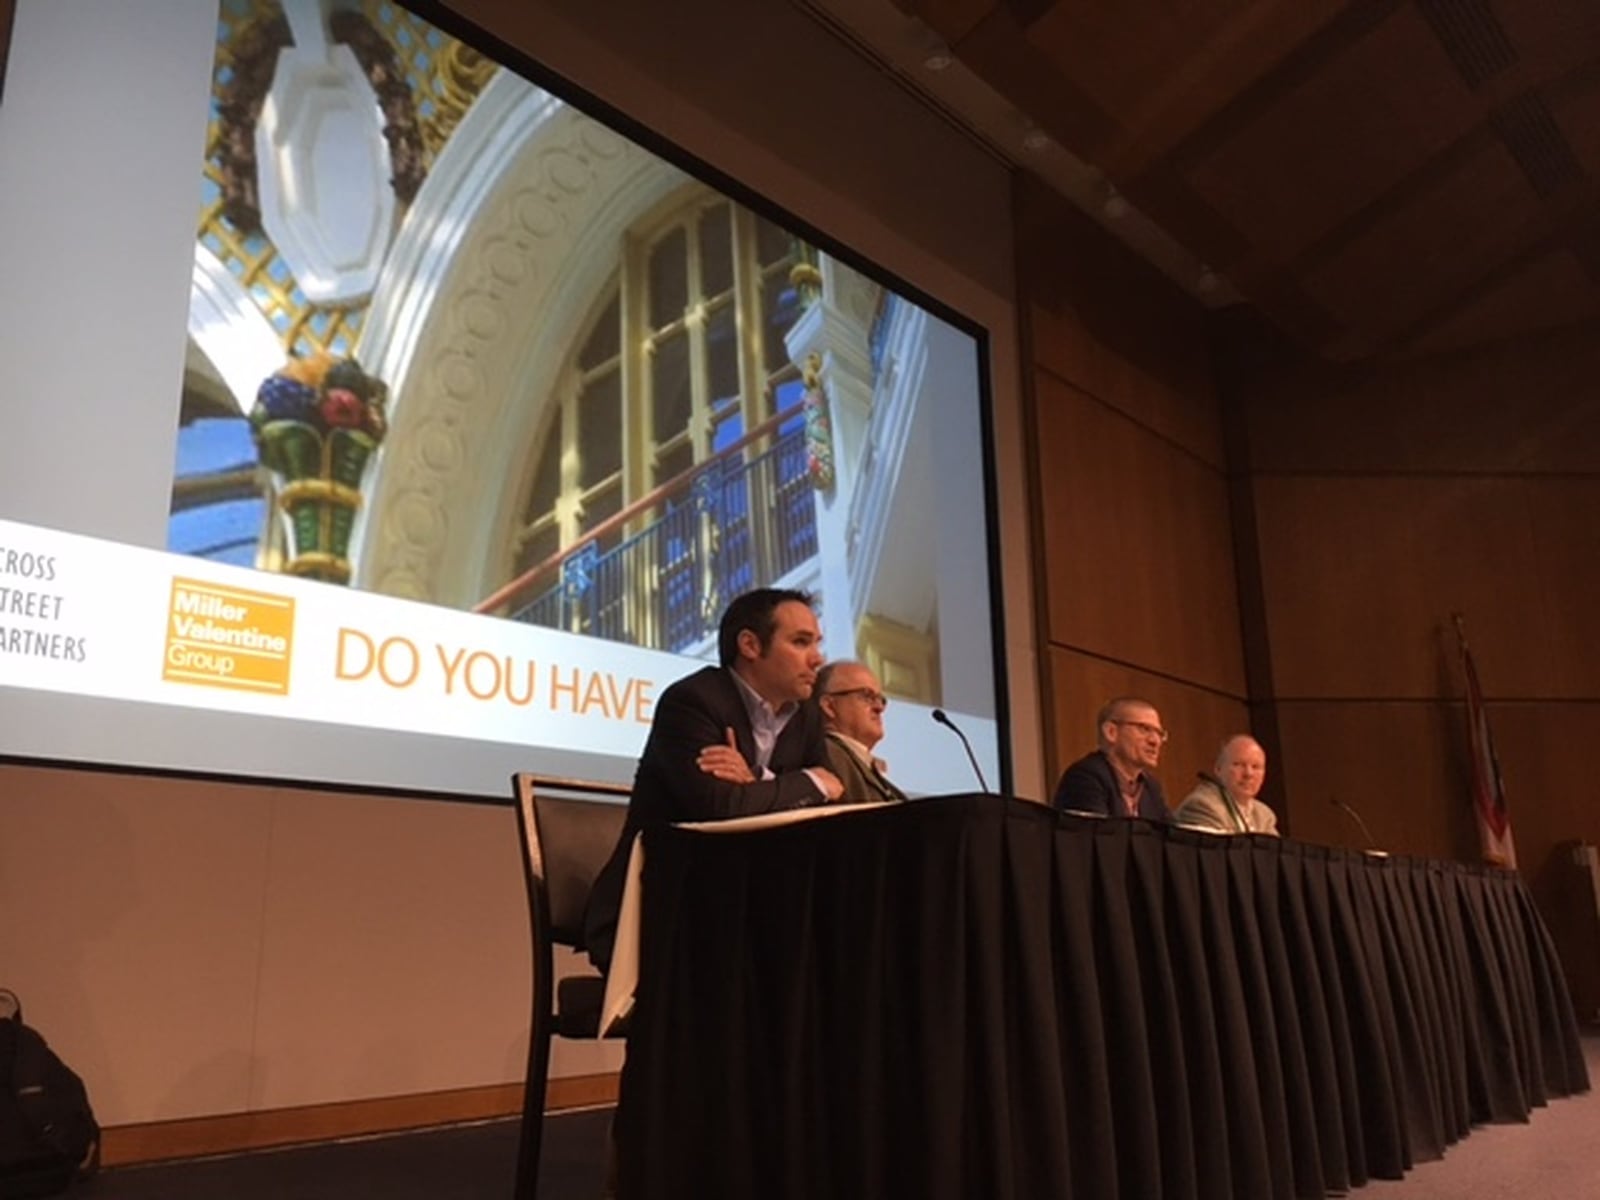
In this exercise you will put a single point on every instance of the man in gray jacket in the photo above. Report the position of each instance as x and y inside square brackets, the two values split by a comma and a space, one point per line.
[852, 703]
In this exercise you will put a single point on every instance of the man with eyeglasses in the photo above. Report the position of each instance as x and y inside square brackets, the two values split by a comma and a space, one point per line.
[852, 703]
[1116, 780]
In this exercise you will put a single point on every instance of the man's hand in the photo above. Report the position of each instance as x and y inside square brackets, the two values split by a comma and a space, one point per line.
[725, 762]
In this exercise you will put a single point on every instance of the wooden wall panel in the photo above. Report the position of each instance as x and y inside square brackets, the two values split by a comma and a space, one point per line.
[1382, 500]
[1161, 386]
[1546, 758]
[1139, 561]
[1133, 524]
[1360, 578]
[1361, 575]
[1197, 719]
[195, 947]
[1564, 522]
[1110, 326]
[1527, 406]
[1405, 768]
[1401, 765]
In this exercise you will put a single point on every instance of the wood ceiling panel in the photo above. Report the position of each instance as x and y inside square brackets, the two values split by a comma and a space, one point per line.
[1577, 113]
[1163, 71]
[1120, 53]
[997, 50]
[1552, 290]
[1406, 264]
[1544, 32]
[950, 19]
[1346, 136]
[1376, 176]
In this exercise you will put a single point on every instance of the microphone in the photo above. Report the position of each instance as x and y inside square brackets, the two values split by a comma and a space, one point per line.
[1227, 799]
[1372, 843]
[943, 718]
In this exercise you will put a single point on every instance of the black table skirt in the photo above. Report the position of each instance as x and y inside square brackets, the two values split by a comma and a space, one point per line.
[977, 997]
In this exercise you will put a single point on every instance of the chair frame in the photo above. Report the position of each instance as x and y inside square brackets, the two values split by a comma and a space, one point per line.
[527, 788]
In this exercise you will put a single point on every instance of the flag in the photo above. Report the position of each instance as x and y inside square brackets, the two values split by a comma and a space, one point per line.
[1488, 789]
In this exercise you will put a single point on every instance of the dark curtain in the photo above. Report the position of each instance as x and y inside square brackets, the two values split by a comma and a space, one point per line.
[978, 997]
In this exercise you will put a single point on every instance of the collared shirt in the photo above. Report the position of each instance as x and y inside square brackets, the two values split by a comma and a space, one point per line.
[766, 722]
[861, 752]
[1130, 787]
[865, 758]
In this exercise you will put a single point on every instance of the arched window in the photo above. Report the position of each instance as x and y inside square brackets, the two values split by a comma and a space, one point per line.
[684, 356]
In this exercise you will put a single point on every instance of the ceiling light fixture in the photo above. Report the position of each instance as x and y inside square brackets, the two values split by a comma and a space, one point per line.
[924, 43]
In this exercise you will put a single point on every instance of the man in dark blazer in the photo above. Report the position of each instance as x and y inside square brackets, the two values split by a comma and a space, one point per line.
[1115, 780]
[747, 720]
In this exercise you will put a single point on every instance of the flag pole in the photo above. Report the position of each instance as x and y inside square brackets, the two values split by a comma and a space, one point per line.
[1488, 788]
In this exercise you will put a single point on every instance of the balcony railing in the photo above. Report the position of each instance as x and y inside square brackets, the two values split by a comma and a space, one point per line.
[721, 528]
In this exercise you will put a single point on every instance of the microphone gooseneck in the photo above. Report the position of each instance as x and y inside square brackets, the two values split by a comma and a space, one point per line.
[1372, 843]
[1227, 799]
[943, 718]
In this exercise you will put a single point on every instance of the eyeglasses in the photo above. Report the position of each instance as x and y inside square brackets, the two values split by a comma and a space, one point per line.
[870, 695]
[1144, 727]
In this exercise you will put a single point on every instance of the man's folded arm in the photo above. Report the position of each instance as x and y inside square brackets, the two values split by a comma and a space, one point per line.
[681, 731]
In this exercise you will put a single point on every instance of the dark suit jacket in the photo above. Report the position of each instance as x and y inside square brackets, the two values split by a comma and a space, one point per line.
[1090, 785]
[669, 785]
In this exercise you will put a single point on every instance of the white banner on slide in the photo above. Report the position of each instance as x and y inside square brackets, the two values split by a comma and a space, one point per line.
[99, 618]
[80, 616]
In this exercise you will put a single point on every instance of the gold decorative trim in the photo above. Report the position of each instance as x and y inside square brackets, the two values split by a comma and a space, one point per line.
[328, 567]
[319, 489]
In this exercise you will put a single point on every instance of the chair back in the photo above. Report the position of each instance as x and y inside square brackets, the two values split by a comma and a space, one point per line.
[568, 829]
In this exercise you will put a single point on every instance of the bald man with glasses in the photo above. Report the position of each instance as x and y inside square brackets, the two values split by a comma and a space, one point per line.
[852, 703]
[1116, 779]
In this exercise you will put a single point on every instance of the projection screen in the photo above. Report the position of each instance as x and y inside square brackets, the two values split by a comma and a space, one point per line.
[381, 414]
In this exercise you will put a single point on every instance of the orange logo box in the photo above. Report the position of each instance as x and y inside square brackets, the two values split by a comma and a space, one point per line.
[228, 637]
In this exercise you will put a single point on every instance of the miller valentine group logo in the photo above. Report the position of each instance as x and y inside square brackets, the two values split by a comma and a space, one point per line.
[228, 637]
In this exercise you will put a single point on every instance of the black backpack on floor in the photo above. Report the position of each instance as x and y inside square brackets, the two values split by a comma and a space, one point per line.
[48, 1134]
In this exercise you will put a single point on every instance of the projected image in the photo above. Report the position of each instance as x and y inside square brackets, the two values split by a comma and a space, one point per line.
[484, 412]
[453, 340]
